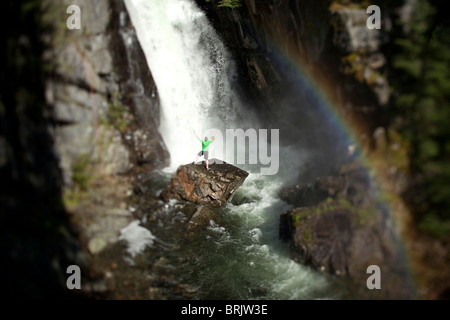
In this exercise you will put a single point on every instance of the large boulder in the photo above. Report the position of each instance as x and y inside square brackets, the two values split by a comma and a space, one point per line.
[334, 237]
[192, 182]
[344, 229]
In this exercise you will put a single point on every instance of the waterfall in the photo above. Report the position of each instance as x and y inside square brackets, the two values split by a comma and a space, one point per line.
[242, 256]
[192, 70]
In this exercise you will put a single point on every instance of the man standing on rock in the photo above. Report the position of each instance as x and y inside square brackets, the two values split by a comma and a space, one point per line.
[205, 148]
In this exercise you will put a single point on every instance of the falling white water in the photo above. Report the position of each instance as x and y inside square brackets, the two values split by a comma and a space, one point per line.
[194, 76]
[192, 71]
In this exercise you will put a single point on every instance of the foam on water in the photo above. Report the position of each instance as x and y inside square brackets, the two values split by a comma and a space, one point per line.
[240, 256]
[136, 237]
[268, 256]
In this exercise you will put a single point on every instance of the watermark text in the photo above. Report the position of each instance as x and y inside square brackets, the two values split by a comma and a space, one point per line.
[74, 21]
[251, 146]
[374, 21]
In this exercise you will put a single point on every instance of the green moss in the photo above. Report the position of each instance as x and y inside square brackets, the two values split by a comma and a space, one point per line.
[297, 218]
[232, 4]
[80, 171]
[72, 198]
[117, 115]
[362, 215]
[52, 11]
[300, 214]
[82, 178]
[307, 238]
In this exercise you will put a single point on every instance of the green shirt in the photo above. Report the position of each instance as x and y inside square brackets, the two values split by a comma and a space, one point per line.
[205, 144]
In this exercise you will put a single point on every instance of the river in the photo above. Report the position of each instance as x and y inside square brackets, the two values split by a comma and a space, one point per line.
[238, 255]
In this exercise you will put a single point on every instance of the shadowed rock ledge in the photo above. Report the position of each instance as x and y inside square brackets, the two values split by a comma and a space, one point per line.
[340, 226]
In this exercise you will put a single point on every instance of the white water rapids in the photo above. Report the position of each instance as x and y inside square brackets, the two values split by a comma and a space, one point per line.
[194, 75]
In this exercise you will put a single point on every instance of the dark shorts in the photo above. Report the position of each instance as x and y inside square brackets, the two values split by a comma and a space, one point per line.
[204, 154]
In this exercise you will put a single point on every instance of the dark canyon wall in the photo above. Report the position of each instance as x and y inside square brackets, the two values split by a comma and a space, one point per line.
[105, 103]
[279, 45]
[79, 118]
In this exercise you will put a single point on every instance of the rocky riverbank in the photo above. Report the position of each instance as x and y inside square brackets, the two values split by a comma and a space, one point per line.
[341, 226]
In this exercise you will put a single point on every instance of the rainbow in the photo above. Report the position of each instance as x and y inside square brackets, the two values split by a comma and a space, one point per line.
[321, 91]
[348, 131]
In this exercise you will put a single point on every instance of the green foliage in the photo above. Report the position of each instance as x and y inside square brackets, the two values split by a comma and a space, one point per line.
[422, 72]
[80, 171]
[233, 4]
[307, 237]
[326, 206]
[82, 178]
[434, 225]
[116, 115]
[72, 198]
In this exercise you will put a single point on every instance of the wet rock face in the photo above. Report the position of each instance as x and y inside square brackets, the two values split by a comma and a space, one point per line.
[340, 227]
[352, 184]
[329, 237]
[192, 182]
[103, 98]
[201, 217]
[322, 237]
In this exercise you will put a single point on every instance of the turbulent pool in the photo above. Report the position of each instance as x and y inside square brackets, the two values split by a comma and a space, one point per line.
[238, 254]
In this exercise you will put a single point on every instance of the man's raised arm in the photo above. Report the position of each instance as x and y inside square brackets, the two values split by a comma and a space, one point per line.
[196, 136]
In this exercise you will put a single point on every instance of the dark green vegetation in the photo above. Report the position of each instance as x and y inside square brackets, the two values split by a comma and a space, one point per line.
[421, 71]
[233, 4]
